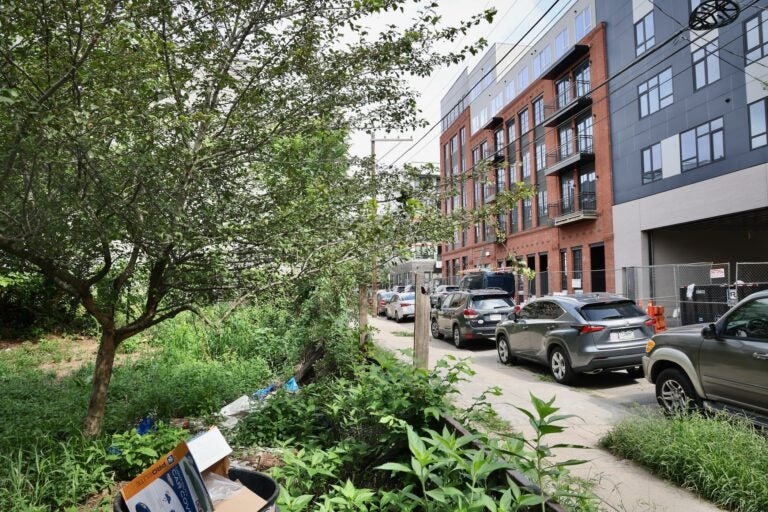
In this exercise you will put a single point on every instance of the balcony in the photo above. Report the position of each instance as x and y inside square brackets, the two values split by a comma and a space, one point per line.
[570, 101]
[576, 151]
[573, 208]
[568, 59]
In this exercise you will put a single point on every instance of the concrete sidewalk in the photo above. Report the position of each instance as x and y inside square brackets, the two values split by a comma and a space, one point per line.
[622, 485]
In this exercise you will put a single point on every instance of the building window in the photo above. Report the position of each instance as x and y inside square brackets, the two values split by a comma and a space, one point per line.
[561, 43]
[644, 34]
[526, 161]
[501, 220]
[524, 122]
[462, 148]
[582, 79]
[463, 193]
[498, 143]
[538, 111]
[542, 61]
[541, 156]
[454, 155]
[651, 162]
[484, 149]
[522, 78]
[511, 136]
[702, 145]
[487, 234]
[583, 23]
[758, 113]
[501, 179]
[577, 267]
[656, 93]
[509, 91]
[706, 65]
[756, 33]
[527, 213]
[513, 219]
[566, 139]
[543, 211]
[563, 92]
[563, 269]
[588, 190]
[584, 134]
[477, 233]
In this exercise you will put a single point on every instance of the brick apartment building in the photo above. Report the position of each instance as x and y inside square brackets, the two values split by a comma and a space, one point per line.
[536, 115]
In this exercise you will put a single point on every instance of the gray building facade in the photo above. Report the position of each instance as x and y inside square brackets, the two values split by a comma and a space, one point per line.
[688, 133]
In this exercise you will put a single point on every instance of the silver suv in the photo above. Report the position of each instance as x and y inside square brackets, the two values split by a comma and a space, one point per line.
[723, 365]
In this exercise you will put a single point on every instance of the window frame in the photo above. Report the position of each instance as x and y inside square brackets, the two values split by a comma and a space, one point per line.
[764, 133]
[524, 119]
[657, 87]
[652, 39]
[762, 45]
[705, 61]
[652, 171]
[538, 110]
[710, 139]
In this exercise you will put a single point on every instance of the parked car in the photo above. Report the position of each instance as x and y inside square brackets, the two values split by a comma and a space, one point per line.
[401, 306]
[722, 365]
[575, 334]
[382, 298]
[440, 293]
[486, 279]
[470, 315]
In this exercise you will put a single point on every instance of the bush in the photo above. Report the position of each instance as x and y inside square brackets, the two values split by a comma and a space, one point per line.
[721, 458]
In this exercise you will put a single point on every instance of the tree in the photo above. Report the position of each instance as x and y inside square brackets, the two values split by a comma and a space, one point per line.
[155, 153]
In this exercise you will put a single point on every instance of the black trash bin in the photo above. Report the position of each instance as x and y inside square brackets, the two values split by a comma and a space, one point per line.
[259, 483]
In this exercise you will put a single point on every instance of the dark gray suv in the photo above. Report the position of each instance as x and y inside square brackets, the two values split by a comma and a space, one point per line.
[469, 315]
[573, 334]
[723, 365]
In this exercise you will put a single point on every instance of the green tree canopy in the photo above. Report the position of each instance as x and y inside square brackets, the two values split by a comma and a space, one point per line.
[166, 150]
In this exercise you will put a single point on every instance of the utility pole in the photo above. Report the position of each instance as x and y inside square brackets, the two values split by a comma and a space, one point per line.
[421, 332]
[374, 140]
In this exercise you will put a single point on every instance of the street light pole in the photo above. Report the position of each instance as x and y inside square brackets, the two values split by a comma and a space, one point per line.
[374, 140]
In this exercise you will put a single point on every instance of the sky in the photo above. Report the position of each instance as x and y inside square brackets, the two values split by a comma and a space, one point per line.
[513, 18]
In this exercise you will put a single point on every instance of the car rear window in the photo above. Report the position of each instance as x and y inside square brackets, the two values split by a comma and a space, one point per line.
[610, 311]
[492, 302]
[407, 296]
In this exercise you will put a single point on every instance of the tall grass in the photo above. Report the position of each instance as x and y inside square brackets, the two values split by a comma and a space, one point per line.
[191, 369]
[722, 459]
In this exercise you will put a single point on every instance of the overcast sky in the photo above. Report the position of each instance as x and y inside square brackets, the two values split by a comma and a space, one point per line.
[513, 19]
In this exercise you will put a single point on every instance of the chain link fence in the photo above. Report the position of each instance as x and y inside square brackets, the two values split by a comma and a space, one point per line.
[689, 293]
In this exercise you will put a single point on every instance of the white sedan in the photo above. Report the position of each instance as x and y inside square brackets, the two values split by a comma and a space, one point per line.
[401, 305]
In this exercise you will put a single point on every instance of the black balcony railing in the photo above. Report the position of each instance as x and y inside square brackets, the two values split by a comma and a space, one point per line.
[566, 95]
[581, 144]
[584, 202]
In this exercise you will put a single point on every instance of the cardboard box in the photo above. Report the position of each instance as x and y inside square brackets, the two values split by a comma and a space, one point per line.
[242, 500]
[172, 484]
[211, 451]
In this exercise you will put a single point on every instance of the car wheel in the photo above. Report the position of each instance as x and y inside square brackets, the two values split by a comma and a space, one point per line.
[457, 337]
[435, 330]
[675, 393]
[560, 366]
[636, 372]
[505, 354]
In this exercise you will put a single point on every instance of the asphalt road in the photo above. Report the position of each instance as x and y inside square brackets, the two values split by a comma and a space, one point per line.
[597, 401]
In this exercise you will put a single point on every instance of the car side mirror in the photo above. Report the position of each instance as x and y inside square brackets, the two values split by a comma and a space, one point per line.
[709, 332]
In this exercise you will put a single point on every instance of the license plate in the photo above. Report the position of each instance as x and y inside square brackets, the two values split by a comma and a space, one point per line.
[494, 318]
[623, 335]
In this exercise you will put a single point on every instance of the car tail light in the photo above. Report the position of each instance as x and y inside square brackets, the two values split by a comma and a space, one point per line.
[406, 304]
[381, 302]
[470, 314]
[649, 346]
[586, 329]
[652, 324]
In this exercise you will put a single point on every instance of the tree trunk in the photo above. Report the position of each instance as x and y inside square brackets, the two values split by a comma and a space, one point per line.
[105, 360]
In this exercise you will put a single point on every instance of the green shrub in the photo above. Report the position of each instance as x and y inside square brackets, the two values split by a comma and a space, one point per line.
[130, 453]
[721, 458]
